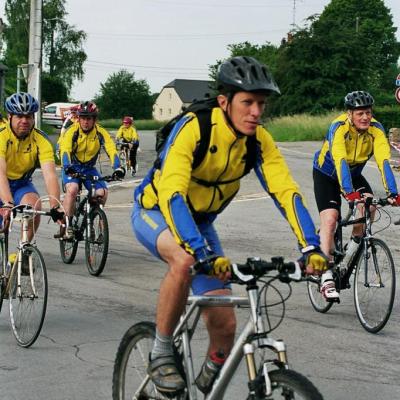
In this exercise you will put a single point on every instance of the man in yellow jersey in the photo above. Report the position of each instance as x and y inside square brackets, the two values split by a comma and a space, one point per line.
[352, 139]
[22, 149]
[128, 138]
[176, 204]
[79, 149]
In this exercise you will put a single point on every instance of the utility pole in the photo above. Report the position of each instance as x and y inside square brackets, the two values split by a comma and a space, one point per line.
[35, 54]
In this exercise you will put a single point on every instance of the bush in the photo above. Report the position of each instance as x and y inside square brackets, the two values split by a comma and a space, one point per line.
[389, 117]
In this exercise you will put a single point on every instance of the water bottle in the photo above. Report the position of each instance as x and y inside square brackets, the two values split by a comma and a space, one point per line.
[351, 250]
[209, 371]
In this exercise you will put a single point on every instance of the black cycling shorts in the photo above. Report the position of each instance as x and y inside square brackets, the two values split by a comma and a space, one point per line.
[327, 190]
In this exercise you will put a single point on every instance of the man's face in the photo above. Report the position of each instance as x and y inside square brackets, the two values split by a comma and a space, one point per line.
[361, 118]
[22, 125]
[86, 123]
[244, 110]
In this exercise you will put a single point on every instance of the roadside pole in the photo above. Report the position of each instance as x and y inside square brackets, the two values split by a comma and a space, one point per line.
[35, 54]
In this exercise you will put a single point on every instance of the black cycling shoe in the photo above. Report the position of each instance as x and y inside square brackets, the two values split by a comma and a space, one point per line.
[165, 375]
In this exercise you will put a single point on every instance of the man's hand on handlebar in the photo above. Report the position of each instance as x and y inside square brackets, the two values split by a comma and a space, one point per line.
[353, 196]
[314, 261]
[213, 265]
[71, 171]
[57, 215]
[394, 200]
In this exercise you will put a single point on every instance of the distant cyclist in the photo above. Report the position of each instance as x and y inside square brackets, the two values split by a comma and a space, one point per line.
[22, 149]
[80, 147]
[352, 139]
[128, 139]
[70, 119]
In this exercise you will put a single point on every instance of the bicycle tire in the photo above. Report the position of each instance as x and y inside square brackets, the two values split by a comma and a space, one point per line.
[122, 158]
[96, 241]
[130, 366]
[27, 310]
[374, 304]
[2, 278]
[289, 384]
[317, 300]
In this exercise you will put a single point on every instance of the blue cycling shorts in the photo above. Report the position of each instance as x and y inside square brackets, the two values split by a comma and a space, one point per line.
[19, 188]
[83, 169]
[147, 226]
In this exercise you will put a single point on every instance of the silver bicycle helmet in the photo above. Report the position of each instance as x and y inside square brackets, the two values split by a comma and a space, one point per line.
[358, 99]
[21, 104]
[245, 74]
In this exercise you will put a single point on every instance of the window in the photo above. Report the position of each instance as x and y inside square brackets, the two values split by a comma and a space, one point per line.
[170, 96]
[160, 111]
[170, 111]
[50, 110]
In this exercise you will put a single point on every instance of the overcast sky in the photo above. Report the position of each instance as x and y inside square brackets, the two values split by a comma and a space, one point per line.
[160, 40]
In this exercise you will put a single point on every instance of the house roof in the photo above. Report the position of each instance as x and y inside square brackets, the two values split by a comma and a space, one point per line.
[189, 89]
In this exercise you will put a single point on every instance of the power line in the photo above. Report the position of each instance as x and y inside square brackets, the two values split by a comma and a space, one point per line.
[146, 66]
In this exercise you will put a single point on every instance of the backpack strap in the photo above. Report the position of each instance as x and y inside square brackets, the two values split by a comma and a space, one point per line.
[204, 118]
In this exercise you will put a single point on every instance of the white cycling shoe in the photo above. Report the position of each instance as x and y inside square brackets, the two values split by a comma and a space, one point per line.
[329, 292]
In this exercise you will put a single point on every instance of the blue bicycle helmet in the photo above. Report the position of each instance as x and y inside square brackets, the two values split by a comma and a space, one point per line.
[21, 104]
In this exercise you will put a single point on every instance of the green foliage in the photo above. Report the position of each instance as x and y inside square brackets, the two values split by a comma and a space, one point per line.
[351, 46]
[388, 116]
[53, 89]
[122, 95]
[63, 54]
[141, 124]
[300, 127]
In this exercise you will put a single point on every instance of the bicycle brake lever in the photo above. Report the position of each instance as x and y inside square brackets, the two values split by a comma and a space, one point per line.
[297, 274]
[241, 276]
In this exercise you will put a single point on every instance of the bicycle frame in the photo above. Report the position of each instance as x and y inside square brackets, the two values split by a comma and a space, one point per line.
[253, 335]
[26, 215]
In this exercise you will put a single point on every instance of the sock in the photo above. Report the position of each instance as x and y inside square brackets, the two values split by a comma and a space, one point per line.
[162, 346]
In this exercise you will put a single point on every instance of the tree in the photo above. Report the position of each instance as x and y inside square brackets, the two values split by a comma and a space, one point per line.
[351, 46]
[63, 54]
[122, 95]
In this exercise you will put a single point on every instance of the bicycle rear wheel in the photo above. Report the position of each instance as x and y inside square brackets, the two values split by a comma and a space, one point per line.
[374, 286]
[318, 301]
[287, 384]
[28, 305]
[130, 378]
[96, 242]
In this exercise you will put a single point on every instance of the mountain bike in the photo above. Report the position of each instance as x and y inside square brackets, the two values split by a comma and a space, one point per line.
[269, 375]
[371, 267]
[23, 280]
[90, 225]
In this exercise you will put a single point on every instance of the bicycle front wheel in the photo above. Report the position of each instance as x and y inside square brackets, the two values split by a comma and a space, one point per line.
[374, 286]
[29, 301]
[130, 379]
[68, 250]
[287, 384]
[96, 242]
[318, 301]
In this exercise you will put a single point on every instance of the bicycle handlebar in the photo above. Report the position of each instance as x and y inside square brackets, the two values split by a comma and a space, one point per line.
[91, 178]
[255, 268]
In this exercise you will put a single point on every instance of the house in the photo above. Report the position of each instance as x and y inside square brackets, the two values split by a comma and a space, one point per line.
[177, 94]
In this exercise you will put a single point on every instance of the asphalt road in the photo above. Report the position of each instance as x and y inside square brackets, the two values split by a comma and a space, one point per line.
[87, 316]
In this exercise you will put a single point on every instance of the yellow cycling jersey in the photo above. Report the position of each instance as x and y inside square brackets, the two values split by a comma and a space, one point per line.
[24, 155]
[128, 134]
[78, 147]
[223, 164]
[345, 152]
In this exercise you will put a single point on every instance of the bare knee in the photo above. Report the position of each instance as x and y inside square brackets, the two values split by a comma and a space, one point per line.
[179, 268]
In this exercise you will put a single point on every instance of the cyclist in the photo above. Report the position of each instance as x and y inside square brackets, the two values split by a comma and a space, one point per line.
[80, 147]
[22, 149]
[175, 208]
[128, 138]
[352, 139]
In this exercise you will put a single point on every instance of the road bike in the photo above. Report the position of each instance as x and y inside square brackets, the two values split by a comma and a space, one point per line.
[23, 280]
[268, 371]
[89, 224]
[371, 267]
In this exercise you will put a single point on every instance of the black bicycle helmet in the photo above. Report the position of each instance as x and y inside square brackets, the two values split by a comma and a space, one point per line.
[87, 109]
[358, 99]
[245, 74]
[21, 104]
